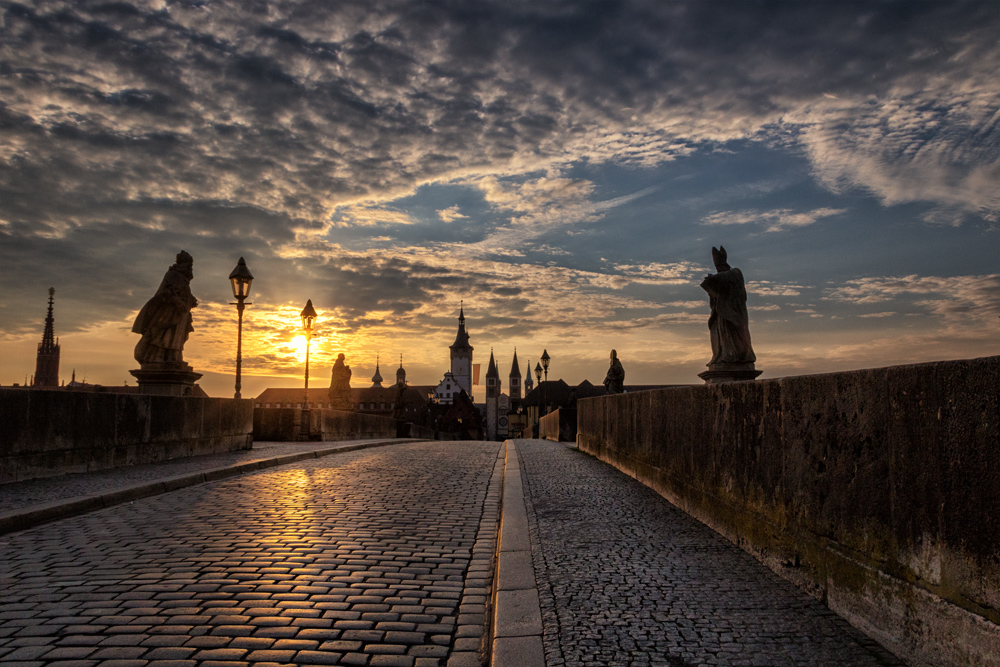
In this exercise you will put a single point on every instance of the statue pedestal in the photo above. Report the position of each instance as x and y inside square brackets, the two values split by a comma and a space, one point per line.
[729, 373]
[166, 379]
[341, 400]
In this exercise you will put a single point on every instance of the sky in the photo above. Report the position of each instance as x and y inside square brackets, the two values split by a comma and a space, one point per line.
[563, 169]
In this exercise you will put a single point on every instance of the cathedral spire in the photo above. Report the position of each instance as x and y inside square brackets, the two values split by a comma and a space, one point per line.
[47, 360]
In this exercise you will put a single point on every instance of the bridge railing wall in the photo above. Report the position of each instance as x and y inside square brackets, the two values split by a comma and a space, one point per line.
[285, 424]
[876, 490]
[55, 432]
[558, 425]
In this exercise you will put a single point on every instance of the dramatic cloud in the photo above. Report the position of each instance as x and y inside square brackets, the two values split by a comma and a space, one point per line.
[956, 299]
[558, 164]
[774, 221]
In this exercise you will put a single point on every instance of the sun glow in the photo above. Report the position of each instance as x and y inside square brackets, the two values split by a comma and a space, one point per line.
[298, 347]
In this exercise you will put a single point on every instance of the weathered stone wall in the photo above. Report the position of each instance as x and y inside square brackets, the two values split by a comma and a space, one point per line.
[44, 433]
[876, 490]
[343, 425]
[276, 424]
[284, 424]
[558, 425]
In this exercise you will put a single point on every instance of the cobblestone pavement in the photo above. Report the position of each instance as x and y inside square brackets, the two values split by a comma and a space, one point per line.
[17, 495]
[374, 557]
[625, 578]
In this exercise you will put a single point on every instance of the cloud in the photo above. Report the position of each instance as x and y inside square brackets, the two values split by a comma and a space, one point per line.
[776, 220]
[767, 288]
[450, 214]
[370, 216]
[973, 300]
[658, 273]
[619, 201]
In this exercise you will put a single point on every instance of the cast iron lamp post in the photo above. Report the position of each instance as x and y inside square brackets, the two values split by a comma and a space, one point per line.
[240, 279]
[538, 379]
[545, 365]
[308, 316]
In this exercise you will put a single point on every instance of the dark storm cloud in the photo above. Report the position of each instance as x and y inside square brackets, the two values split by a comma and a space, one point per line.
[133, 129]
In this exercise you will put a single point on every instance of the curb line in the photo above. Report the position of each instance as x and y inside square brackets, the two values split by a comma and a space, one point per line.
[517, 616]
[35, 515]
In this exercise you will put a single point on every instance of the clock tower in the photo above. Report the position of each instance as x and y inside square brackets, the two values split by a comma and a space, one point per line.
[461, 355]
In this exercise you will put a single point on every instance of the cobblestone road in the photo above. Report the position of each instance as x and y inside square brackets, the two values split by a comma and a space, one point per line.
[17, 495]
[368, 557]
[625, 578]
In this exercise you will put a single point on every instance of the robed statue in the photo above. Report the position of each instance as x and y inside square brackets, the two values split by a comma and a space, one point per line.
[399, 401]
[729, 322]
[614, 381]
[340, 385]
[165, 320]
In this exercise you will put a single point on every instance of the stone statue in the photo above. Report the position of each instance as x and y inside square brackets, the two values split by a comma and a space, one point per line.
[729, 323]
[399, 402]
[340, 385]
[614, 381]
[165, 320]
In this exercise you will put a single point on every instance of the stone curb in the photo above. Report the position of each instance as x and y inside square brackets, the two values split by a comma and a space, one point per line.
[29, 517]
[517, 616]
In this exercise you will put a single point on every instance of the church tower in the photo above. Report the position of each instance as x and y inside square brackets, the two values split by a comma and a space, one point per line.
[400, 373]
[461, 355]
[377, 378]
[47, 361]
[529, 384]
[514, 380]
[492, 399]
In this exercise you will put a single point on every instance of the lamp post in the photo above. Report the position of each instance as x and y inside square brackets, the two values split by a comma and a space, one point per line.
[538, 379]
[240, 279]
[545, 365]
[308, 316]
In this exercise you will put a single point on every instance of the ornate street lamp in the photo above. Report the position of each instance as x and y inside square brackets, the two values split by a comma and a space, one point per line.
[538, 381]
[308, 316]
[545, 365]
[240, 279]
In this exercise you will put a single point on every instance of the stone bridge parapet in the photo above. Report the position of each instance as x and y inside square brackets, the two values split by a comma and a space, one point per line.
[876, 490]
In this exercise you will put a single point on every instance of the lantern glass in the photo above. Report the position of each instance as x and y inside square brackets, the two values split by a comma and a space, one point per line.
[241, 278]
[308, 316]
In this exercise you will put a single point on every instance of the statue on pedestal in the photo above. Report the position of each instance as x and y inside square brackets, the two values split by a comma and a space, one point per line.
[340, 385]
[732, 354]
[399, 401]
[165, 320]
[165, 324]
[614, 381]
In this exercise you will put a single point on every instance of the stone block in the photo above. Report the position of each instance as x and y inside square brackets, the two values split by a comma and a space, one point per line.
[837, 464]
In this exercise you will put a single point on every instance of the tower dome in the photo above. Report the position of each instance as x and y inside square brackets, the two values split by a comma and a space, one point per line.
[377, 378]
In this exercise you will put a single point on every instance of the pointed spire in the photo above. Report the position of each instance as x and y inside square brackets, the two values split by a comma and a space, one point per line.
[49, 337]
[492, 372]
[47, 358]
[515, 369]
[462, 337]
